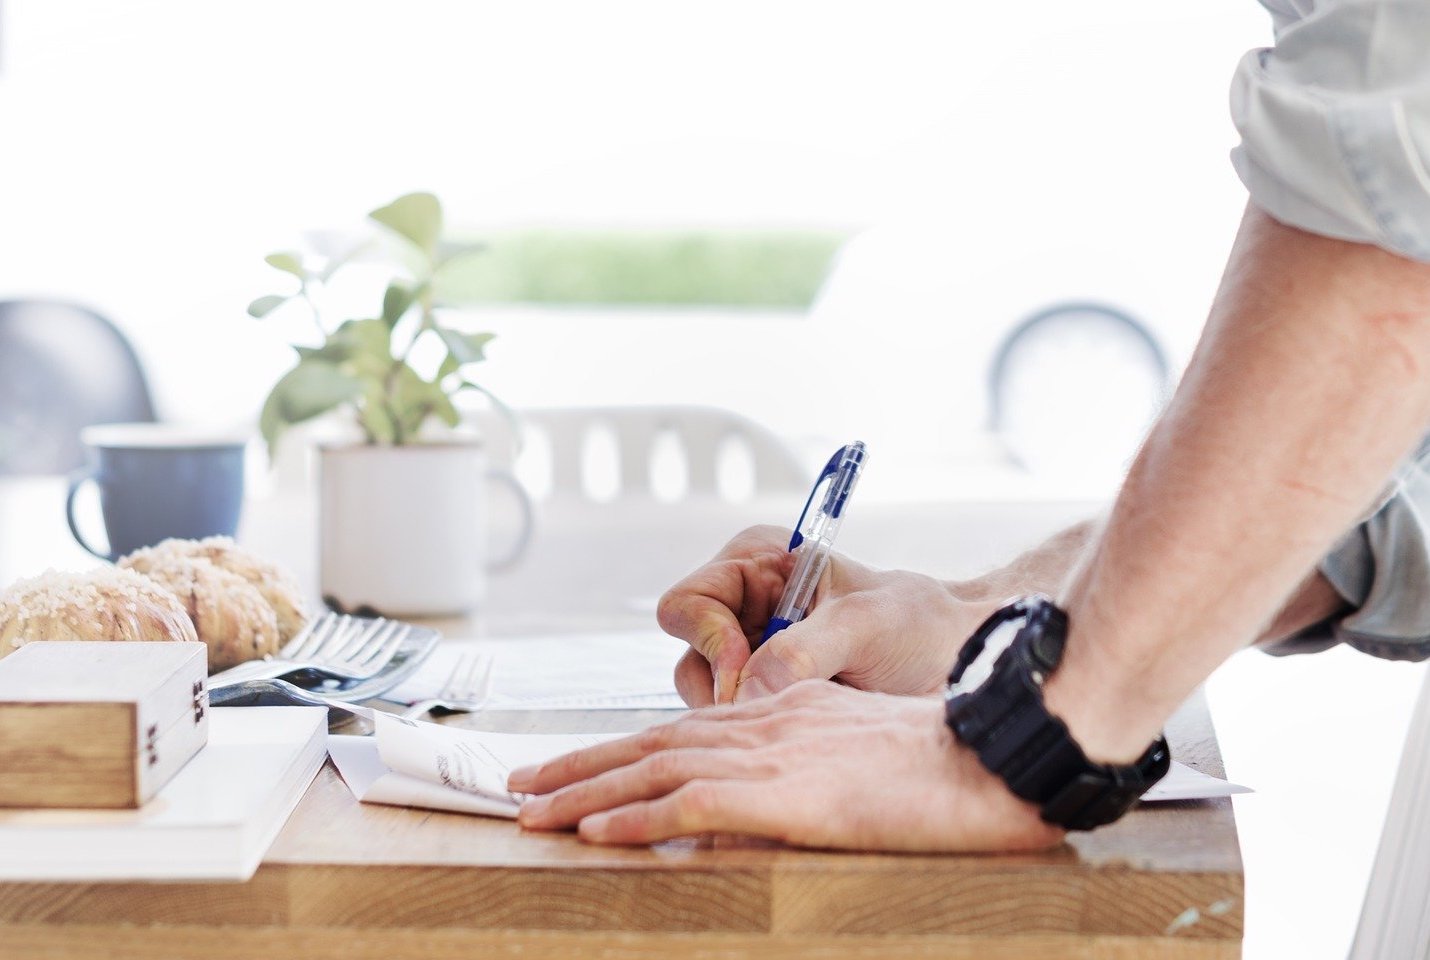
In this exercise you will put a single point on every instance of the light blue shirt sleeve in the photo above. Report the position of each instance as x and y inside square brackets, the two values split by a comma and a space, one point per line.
[1382, 570]
[1335, 121]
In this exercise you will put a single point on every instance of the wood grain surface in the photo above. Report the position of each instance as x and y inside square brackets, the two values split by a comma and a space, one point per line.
[357, 880]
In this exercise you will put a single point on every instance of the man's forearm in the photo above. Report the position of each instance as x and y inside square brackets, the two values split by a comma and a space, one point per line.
[1308, 385]
[1042, 569]
[1050, 566]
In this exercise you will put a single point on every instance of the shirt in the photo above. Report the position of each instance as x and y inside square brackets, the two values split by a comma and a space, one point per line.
[1335, 121]
[1335, 140]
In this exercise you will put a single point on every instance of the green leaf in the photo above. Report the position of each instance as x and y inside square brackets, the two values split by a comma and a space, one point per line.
[288, 263]
[416, 216]
[507, 413]
[342, 260]
[263, 306]
[374, 417]
[457, 274]
[310, 388]
[411, 400]
[443, 407]
[466, 347]
[450, 365]
[364, 346]
[396, 301]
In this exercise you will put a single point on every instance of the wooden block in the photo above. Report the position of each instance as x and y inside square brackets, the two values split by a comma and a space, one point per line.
[95, 724]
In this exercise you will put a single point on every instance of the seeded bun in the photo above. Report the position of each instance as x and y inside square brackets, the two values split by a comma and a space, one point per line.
[228, 612]
[277, 587]
[103, 604]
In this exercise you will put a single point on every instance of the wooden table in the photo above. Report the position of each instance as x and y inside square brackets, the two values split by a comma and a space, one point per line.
[355, 881]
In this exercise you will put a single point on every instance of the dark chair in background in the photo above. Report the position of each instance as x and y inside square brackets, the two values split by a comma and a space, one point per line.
[62, 368]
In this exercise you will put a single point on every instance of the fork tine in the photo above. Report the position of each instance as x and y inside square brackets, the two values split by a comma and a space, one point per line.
[452, 687]
[314, 638]
[382, 655]
[463, 683]
[337, 641]
[354, 638]
[300, 639]
[481, 689]
[375, 639]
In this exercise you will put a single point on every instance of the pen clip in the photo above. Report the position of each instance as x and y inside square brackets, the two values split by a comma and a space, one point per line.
[829, 470]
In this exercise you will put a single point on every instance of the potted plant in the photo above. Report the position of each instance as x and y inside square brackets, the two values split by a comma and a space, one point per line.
[402, 514]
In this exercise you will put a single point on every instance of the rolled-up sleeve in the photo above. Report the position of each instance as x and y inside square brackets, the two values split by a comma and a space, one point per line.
[1382, 570]
[1335, 121]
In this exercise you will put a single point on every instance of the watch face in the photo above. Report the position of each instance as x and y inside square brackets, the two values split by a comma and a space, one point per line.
[981, 668]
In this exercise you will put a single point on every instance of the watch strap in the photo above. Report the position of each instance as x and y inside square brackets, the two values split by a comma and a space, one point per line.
[1007, 725]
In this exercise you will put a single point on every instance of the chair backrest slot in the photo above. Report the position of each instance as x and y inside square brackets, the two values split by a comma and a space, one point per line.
[646, 454]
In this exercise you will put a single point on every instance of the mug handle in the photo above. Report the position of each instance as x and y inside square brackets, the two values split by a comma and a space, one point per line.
[528, 519]
[77, 480]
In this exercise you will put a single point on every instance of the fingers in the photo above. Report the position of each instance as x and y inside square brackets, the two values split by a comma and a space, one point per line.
[584, 764]
[818, 648]
[651, 777]
[751, 807]
[717, 607]
[693, 680]
[815, 649]
[734, 725]
[709, 626]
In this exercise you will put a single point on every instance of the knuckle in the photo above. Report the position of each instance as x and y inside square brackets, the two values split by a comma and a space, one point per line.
[695, 801]
[759, 535]
[660, 766]
[806, 691]
[652, 739]
[672, 611]
[862, 605]
[798, 660]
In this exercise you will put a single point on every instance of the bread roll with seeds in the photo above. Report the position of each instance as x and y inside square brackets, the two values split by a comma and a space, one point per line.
[278, 587]
[228, 612]
[103, 604]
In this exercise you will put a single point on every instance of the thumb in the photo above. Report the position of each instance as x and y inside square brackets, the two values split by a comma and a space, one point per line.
[810, 649]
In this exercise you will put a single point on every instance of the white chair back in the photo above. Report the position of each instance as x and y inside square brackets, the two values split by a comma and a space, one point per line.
[703, 437]
[622, 537]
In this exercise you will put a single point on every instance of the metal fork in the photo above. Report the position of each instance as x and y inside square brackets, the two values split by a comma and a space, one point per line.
[337, 645]
[467, 688]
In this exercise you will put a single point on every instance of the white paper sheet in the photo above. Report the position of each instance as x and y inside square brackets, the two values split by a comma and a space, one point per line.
[632, 670]
[1184, 783]
[410, 763]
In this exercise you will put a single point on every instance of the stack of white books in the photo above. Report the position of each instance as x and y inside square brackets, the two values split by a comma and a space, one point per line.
[214, 821]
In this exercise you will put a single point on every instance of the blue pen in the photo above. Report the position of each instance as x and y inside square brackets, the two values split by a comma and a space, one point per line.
[814, 544]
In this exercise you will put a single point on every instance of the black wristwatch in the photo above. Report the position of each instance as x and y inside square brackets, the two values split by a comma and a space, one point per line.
[994, 705]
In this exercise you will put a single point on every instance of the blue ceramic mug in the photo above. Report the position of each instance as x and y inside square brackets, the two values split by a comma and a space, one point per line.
[158, 481]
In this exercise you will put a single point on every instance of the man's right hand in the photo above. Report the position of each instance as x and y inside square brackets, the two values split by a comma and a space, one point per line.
[885, 630]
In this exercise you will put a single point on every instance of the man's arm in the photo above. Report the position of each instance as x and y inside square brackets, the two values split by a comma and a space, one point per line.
[1306, 389]
[1309, 384]
[889, 631]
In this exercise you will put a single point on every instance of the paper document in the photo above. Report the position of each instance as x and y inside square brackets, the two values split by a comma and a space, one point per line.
[409, 763]
[633, 670]
[1184, 783]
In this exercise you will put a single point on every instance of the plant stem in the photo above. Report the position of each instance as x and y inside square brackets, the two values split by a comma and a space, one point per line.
[313, 306]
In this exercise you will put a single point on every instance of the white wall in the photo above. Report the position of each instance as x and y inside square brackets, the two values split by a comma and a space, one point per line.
[1000, 154]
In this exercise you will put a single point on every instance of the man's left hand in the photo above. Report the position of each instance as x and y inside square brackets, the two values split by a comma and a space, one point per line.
[816, 765]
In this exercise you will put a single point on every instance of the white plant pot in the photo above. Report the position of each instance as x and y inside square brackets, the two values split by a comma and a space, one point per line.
[403, 530]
